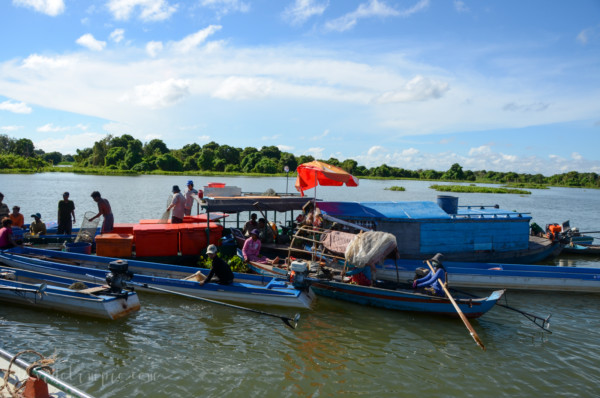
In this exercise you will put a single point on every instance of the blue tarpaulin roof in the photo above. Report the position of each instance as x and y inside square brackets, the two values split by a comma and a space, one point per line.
[379, 210]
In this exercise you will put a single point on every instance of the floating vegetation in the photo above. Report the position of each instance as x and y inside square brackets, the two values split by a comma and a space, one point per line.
[526, 185]
[395, 188]
[475, 189]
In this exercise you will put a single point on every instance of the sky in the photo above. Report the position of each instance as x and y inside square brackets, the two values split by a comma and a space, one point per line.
[503, 85]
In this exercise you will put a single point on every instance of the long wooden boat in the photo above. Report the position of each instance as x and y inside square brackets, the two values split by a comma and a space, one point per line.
[250, 289]
[404, 300]
[18, 378]
[593, 250]
[48, 292]
[495, 275]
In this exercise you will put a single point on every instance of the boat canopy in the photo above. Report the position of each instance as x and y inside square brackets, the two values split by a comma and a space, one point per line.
[383, 210]
[239, 204]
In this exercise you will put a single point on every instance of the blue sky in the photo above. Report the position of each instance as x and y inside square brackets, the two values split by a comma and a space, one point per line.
[491, 84]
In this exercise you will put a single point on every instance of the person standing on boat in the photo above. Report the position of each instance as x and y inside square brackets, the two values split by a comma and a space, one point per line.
[37, 227]
[178, 206]
[3, 208]
[189, 197]
[104, 210]
[66, 215]
[17, 218]
[433, 282]
[219, 268]
[251, 250]
[6, 234]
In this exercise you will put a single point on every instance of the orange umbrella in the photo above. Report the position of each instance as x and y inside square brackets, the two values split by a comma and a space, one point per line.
[316, 173]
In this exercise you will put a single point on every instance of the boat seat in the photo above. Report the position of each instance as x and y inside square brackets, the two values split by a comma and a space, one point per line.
[93, 290]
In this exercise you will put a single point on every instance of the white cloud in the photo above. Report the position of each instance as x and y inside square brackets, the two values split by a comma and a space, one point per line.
[320, 136]
[373, 8]
[224, 7]
[271, 138]
[204, 138]
[15, 107]
[51, 128]
[91, 43]
[375, 150]
[316, 152]
[285, 148]
[11, 128]
[149, 10]
[153, 48]
[302, 10]
[159, 94]
[576, 156]
[69, 143]
[192, 41]
[117, 35]
[417, 89]
[41, 62]
[48, 7]
[243, 88]
[460, 6]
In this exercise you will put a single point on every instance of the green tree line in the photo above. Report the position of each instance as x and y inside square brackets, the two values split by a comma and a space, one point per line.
[129, 155]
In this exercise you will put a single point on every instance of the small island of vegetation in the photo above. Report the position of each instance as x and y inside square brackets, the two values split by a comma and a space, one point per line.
[395, 188]
[476, 189]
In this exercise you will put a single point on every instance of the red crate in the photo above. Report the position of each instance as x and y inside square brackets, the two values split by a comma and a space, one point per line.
[114, 245]
[192, 239]
[155, 240]
[123, 229]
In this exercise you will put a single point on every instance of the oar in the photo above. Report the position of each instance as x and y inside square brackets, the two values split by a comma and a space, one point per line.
[533, 318]
[285, 319]
[460, 313]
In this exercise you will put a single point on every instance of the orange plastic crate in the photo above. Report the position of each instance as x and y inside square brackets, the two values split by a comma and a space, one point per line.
[192, 239]
[123, 229]
[114, 245]
[155, 240]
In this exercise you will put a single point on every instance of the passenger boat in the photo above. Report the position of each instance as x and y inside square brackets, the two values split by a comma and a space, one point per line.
[462, 233]
[13, 370]
[404, 300]
[48, 292]
[250, 289]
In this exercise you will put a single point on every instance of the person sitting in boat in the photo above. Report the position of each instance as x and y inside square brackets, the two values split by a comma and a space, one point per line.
[219, 268]
[17, 218]
[6, 234]
[362, 276]
[37, 227]
[265, 232]
[432, 282]
[251, 250]
[250, 225]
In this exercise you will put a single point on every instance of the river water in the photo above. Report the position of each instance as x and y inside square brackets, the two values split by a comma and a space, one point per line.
[177, 347]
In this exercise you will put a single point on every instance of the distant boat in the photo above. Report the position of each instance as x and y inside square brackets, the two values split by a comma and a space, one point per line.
[39, 291]
[593, 250]
[249, 289]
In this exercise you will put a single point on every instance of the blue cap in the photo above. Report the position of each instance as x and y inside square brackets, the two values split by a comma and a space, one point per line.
[190, 182]
[38, 215]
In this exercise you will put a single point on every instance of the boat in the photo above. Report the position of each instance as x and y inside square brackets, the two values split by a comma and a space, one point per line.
[48, 292]
[403, 299]
[14, 373]
[593, 250]
[249, 289]
[462, 233]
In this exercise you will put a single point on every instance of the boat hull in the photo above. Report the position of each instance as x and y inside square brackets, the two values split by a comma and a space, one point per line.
[402, 300]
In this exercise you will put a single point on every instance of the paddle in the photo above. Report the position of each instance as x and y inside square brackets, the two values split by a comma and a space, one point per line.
[460, 313]
[285, 319]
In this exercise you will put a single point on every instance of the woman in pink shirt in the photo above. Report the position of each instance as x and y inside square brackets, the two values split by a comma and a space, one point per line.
[6, 236]
[251, 250]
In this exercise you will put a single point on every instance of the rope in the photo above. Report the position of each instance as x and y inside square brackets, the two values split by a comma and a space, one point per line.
[42, 363]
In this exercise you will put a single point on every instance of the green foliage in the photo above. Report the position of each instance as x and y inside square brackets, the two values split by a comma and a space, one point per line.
[476, 189]
[454, 173]
[238, 265]
[155, 147]
[395, 188]
[53, 157]
[114, 156]
[265, 166]
[168, 162]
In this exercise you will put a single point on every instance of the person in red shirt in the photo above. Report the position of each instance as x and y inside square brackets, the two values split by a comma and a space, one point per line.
[17, 218]
[6, 236]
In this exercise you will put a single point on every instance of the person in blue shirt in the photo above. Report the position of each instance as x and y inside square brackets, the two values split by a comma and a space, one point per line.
[433, 282]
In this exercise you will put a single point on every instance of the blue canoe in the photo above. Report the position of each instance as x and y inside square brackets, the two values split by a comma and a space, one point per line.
[49, 292]
[248, 289]
[404, 300]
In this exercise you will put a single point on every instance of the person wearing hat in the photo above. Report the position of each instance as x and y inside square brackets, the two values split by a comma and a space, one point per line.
[190, 194]
[219, 268]
[66, 215]
[251, 250]
[37, 227]
[432, 282]
[104, 210]
[178, 206]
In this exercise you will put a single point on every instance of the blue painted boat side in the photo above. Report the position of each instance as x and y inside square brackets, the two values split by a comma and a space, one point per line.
[403, 300]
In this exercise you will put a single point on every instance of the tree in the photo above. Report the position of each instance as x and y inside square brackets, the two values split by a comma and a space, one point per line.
[24, 147]
[53, 157]
[349, 165]
[155, 147]
[134, 154]
[228, 154]
[271, 152]
[454, 173]
[265, 166]
[333, 162]
[249, 162]
[168, 162]
[287, 159]
[206, 159]
[211, 145]
[122, 141]
[114, 156]
[305, 159]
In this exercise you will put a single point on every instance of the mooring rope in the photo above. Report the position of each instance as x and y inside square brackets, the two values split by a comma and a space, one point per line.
[42, 363]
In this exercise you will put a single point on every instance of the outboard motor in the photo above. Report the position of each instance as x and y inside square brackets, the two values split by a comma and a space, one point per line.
[118, 276]
[298, 274]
